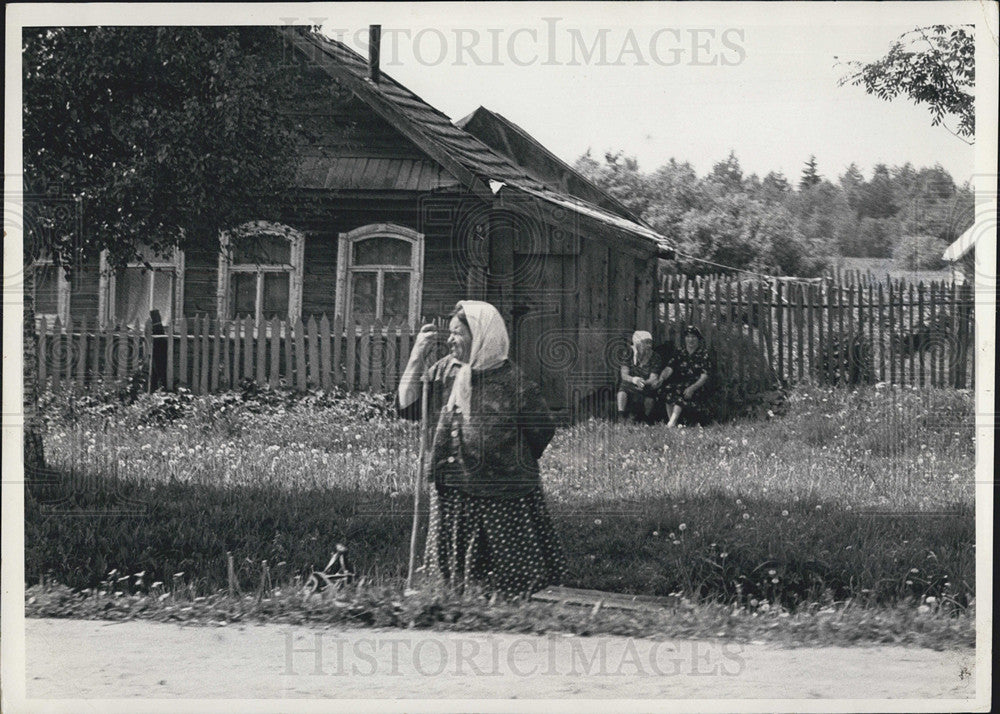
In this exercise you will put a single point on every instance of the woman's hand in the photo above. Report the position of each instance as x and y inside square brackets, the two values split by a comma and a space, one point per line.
[639, 382]
[424, 342]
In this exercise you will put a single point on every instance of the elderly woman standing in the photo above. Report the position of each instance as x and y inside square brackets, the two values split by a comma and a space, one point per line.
[689, 369]
[489, 523]
[640, 378]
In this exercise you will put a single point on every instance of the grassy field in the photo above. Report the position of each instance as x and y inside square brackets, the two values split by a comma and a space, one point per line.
[863, 496]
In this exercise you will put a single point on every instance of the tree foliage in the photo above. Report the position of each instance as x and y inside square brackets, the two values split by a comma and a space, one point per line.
[933, 65]
[151, 135]
[728, 218]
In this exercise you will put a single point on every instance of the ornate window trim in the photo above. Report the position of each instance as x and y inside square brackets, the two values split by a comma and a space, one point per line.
[63, 291]
[294, 269]
[345, 267]
[108, 285]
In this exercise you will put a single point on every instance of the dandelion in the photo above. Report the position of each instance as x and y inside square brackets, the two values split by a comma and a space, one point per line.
[784, 513]
[597, 521]
[772, 572]
[682, 527]
[774, 580]
[746, 516]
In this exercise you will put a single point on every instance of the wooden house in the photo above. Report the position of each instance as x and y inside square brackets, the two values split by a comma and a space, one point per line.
[406, 213]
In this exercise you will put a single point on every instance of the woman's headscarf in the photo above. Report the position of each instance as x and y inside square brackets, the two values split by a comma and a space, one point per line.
[639, 337]
[490, 345]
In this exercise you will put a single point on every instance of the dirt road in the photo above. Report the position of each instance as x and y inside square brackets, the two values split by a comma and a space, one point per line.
[74, 658]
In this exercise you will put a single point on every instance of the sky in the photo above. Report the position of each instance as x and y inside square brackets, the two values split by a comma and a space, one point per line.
[691, 81]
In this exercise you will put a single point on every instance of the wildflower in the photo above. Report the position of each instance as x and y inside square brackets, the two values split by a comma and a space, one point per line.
[677, 542]
[656, 534]
[931, 599]
[772, 572]
[597, 521]
[784, 513]
[819, 507]
[746, 516]
[923, 609]
[682, 527]
[914, 570]
[774, 580]
[723, 555]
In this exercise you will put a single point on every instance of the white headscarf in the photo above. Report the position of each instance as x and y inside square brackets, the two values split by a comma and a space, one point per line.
[490, 345]
[638, 337]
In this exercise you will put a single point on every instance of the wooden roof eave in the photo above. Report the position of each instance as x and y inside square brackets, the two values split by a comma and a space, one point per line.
[385, 109]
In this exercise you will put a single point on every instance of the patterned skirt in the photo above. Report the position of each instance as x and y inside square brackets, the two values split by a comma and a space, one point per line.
[503, 544]
[673, 394]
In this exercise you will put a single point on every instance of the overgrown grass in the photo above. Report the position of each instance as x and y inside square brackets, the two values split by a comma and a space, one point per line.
[862, 496]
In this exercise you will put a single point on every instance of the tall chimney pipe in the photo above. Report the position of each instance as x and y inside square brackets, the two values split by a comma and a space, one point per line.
[374, 46]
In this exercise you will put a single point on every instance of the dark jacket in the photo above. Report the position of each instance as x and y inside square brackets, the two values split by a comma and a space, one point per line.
[493, 451]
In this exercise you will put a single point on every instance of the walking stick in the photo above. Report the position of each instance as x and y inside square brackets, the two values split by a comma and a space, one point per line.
[418, 482]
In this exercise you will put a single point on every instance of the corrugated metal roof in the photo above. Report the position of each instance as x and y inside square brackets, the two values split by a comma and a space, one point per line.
[462, 155]
[380, 174]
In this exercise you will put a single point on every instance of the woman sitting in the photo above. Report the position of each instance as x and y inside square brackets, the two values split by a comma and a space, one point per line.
[488, 520]
[640, 378]
[685, 375]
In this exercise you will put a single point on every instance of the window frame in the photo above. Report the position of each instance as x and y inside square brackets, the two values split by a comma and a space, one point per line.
[294, 269]
[107, 294]
[63, 292]
[344, 303]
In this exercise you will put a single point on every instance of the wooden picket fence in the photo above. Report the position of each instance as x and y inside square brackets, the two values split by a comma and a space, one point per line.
[206, 355]
[808, 331]
[892, 331]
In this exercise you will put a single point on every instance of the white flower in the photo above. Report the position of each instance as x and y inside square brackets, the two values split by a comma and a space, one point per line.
[682, 527]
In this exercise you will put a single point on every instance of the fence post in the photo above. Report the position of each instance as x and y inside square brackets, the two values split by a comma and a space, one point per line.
[779, 314]
[391, 353]
[42, 351]
[56, 352]
[350, 332]
[261, 337]
[274, 374]
[364, 359]
[404, 348]
[248, 324]
[313, 367]
[324, 352]
[216, 354]
[205, 367]
[300, 356]
[925, 332]
[81, 364]
[377, 353]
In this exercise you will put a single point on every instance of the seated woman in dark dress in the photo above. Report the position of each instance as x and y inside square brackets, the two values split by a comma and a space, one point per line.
[640, 378]
[686, 373]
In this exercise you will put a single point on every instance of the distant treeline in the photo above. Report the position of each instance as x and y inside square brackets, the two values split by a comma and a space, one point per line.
[772, 225]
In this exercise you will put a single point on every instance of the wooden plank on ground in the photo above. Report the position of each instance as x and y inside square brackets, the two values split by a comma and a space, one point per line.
[600, 598]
